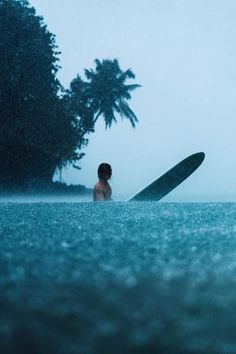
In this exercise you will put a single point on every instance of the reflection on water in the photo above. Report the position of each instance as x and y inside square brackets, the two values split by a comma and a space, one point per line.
[117, 278]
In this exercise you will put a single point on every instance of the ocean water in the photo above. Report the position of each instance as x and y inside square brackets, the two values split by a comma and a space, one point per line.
[117, 278]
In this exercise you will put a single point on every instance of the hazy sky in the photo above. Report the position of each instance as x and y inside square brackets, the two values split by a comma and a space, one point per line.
[183, 53]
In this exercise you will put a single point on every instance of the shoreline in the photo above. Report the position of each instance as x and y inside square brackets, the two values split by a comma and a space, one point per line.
[51, 189]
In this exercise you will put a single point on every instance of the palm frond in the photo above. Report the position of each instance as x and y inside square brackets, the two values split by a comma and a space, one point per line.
[128, 113]
[109, 117]
[128, 74]
[132, 87]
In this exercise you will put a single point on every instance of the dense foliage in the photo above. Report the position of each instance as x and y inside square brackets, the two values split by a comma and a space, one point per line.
[42, 126]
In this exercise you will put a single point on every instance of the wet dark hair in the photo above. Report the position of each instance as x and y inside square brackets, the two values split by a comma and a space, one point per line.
[104, 169]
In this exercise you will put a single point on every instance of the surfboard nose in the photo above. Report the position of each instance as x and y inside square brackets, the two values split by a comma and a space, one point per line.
[200, 155]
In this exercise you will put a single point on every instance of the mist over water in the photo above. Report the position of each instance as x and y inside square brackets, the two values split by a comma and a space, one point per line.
[119, 278]
[44, 198]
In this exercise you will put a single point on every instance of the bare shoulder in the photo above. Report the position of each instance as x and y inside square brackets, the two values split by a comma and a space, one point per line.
[98, 187]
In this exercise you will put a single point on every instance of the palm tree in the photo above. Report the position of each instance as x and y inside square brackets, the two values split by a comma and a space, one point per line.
[103, 94]
[108, 92]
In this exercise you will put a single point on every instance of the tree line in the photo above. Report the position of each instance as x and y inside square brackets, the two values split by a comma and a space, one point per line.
[44, 126]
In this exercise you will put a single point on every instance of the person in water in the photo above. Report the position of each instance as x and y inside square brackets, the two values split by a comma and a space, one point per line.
[102, 189]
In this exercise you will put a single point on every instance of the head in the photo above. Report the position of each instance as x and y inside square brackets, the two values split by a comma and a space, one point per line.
[104, 171]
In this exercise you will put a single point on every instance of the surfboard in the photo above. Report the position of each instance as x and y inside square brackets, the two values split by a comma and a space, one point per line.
[169, 180]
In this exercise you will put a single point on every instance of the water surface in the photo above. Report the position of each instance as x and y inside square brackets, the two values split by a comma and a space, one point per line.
[117, 278]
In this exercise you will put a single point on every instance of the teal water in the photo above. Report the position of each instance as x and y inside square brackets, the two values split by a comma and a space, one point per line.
[117, 278]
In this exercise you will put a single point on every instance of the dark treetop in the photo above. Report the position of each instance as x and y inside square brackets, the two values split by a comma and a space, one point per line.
[42, 126]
